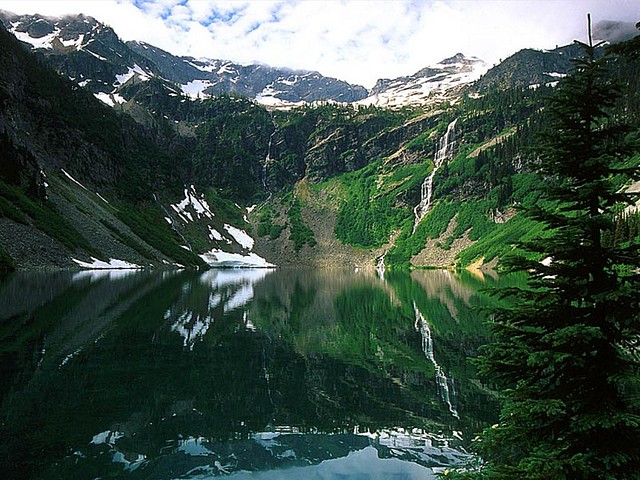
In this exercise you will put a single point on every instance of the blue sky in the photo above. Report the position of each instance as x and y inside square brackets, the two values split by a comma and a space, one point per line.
[358, 41]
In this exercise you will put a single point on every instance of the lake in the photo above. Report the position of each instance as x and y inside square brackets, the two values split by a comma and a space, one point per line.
[261, 374]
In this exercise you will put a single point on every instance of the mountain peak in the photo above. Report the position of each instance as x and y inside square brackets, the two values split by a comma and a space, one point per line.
[439, 82]
[457, 58]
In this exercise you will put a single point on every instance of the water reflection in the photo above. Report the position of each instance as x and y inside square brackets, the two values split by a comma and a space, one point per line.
[193, 375]
[214, 294]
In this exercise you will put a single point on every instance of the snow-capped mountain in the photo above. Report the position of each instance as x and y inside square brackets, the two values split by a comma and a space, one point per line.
[91, 54]
[436, 83]
[268, 85]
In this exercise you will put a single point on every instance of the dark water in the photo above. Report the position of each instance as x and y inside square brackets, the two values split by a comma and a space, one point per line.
[242, 373]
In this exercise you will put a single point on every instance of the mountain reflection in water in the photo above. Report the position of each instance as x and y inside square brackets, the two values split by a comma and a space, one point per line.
[249, 373]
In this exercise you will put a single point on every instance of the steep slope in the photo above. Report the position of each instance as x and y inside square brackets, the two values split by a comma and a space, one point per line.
[83, 185]
[474, 162]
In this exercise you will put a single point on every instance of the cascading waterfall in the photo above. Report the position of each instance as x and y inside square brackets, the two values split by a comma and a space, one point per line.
[443, 153]
[266, 162]
[267, 159]
[446, 392]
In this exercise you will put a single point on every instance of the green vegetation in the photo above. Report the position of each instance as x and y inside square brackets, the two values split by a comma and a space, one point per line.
[421, 143]
[128, 240]
[565, 355]
[6, 262]
[266, 223]
[8, 209]
[17, 205]
[224, 207]
[299, 232]
[232, 143]
[355, 336]
[370, 211]
[147, 222]
[625, 231]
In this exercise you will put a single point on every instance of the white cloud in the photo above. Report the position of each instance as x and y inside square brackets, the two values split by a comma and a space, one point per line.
[359, 41]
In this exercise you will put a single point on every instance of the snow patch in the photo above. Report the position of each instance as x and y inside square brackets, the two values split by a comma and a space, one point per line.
[106, 438]
[189, 329]
[432, 83]
[218, 258]
[555, 74]
[41, 42]
[194, 447]
[104, 98]
[111, 264]
[195, 88]
[214, 234]
[133, 71]
[102, 198]
[240, 236]
[98, 275]
[74, 42]
[99, 57]
[198, 205]
[269, 98]
[66, 359]
[204, 67]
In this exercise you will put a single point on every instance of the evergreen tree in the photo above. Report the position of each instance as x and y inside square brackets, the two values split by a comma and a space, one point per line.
[567, 355]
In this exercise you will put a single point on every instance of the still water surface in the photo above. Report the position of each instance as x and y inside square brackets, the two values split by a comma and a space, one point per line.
[259, 374]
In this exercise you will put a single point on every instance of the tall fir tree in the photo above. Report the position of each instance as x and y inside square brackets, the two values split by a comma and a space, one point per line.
[566, 356]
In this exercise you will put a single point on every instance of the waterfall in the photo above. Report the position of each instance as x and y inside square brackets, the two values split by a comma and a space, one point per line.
[443, 154]
[446, 392]
[267, 160]
[380, 267]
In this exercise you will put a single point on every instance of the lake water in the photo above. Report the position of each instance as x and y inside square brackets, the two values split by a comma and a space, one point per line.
[261, 374]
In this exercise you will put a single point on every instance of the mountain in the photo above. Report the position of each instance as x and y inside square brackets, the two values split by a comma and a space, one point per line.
[529, 68]
[91, 54]
[84, 185]
[268, 85]
[161, 175]
[434, 84]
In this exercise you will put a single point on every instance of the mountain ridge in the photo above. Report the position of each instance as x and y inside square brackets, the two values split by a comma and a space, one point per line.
[66, 38]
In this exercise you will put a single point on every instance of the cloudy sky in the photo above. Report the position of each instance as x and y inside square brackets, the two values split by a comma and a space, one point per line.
[358, 40]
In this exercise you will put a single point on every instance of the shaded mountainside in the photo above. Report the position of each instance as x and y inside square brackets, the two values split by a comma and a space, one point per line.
[160, 177]
[80, 180]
